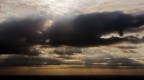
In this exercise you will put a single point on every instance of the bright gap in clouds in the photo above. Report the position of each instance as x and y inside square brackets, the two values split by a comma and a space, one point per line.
[63, 7]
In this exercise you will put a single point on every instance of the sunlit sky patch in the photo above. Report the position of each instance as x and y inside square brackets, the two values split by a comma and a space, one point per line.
[68, 6]
[47, 7]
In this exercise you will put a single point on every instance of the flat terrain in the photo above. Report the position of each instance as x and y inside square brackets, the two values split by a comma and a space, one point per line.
[70, 71]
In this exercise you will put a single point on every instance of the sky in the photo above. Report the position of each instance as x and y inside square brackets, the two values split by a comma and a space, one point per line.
[27, 25]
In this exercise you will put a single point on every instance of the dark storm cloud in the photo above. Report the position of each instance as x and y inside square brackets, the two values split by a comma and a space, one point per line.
[18, 35]
[90, 27]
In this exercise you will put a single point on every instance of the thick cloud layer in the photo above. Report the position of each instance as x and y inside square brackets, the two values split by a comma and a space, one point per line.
[18, 35]
[90, 27]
